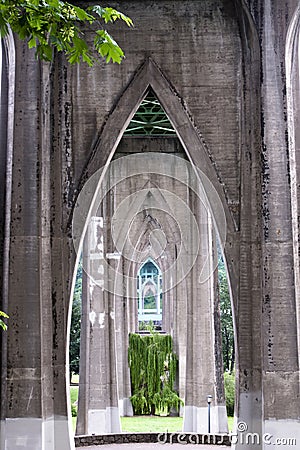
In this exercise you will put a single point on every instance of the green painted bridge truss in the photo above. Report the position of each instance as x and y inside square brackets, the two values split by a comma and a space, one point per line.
[150, 119]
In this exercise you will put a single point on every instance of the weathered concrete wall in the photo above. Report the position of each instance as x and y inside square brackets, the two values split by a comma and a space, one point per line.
[197, 46]
[219, 70]
[180, 239]
[6, 112]
[280, 330]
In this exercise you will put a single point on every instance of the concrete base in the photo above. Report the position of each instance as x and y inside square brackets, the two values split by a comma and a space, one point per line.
[281, 434]
[195, 419]
[36, 434]
[275, 434]
[101, 421]
[249, 424]
[125, 407]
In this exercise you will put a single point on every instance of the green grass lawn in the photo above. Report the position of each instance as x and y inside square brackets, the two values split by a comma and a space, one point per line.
[139, 424]
[73, 394]
[230, 423]
[74, 423]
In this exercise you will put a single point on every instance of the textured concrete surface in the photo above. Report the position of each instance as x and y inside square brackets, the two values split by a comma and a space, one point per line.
[187, 230]
[219, 67]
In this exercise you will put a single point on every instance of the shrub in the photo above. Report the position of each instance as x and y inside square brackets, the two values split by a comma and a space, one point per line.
[229, 383]
[153, 366]
[74, 410]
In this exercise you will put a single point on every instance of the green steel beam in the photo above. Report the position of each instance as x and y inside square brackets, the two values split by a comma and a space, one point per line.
[150, 119]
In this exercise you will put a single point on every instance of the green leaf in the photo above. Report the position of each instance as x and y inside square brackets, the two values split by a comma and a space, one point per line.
[3, 26]
[88, 59]
[49, 24]
[125, 18]
[2, 324]
[44, 51]
[98, 10]
[107, 47]
[83, 15]
[32, 42]
[111, 15]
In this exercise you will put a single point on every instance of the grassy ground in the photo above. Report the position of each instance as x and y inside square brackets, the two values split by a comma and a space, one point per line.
[138, 424]
[74, 394]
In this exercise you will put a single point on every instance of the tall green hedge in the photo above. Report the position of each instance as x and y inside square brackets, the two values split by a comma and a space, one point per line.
[153, 366]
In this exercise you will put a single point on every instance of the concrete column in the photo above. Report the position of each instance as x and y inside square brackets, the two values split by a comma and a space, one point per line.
[7, 80]
[202, 356]
[292, 61]
[7, 96]
[98, 410]
[32, 417]
[123, 328]
[281, 415]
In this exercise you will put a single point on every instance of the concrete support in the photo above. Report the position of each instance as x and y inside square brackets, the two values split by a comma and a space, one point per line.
[202, 354]
[160, 198]
[224, 89]
[7, 93]
[98, 410]
[280, 333]
[32, 419]
[125, 320]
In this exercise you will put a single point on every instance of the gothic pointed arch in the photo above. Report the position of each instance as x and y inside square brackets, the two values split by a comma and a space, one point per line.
[149, 223]
[149, 287]
[149, 75]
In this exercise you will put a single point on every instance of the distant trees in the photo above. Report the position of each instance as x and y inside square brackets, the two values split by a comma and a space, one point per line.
[74, 350]
[226, 319]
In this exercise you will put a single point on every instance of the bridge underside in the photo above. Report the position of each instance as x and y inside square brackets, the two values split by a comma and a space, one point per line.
[226, 74]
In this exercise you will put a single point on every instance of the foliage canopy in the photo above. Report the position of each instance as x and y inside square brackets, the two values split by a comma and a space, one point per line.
[49, 24]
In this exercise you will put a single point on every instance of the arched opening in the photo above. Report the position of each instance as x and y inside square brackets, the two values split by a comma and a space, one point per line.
[150, 300]
[141, 216]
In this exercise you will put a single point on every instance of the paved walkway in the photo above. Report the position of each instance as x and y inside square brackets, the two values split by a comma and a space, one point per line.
[153, 446]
